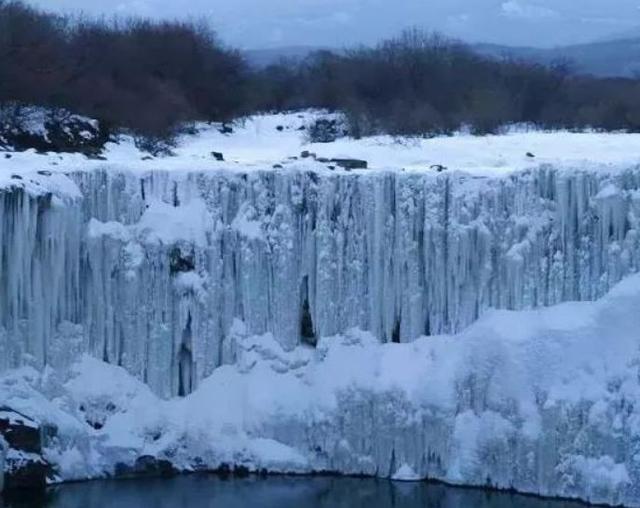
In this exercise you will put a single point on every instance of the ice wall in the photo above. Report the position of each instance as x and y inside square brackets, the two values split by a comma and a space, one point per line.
[149, 271]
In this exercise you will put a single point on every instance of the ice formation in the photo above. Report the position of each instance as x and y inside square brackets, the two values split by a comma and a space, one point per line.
[302, 319]
[149, 271]
[541, 401]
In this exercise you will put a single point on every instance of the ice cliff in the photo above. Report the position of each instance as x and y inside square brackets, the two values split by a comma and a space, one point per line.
[149, 271]
[383, 322]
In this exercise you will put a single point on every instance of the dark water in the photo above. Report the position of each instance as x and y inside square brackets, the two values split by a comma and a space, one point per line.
[273, 492]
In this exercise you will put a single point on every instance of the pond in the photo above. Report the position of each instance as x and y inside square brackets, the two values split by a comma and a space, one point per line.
[204, 491]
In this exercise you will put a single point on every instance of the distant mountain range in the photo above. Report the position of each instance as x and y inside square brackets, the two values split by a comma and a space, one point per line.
[612, 58]
[606, 58]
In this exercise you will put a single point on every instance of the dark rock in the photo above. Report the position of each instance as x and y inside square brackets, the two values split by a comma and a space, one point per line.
[146, 466]
[277, 166]
[20, 433]
[306, 154]
[180, 263]
[44, 172]
[322, 159]
[7, 155]
[225, 129]
[25, 468]
[218, 156]
[350, 164]
[438, 167]
[16, 177]
[147, 158]
[279, 128]
[26, 471]
[530, 155]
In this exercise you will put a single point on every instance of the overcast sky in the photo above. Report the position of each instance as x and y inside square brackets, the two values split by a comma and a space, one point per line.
[272, 23]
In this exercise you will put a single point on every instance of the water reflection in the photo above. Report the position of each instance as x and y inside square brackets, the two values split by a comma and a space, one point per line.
[273, 492]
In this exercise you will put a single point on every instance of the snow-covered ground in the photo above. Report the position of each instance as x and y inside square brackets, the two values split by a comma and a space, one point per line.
[270, 299]
[257, 143]
[542, 401]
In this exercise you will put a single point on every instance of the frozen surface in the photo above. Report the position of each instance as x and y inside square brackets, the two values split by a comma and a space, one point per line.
[541, 401]
[394, 321]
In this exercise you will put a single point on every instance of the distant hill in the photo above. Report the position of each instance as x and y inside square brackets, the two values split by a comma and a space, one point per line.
[606, 58]
[612, 58]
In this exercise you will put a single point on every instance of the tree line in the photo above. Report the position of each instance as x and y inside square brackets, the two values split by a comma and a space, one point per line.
[152, 77]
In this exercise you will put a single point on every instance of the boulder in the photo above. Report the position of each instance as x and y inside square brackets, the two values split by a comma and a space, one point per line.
[28, 471]
[350, 164]
[146, 466]
[24, 466]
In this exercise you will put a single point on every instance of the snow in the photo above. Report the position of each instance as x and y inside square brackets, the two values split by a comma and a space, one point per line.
[168, 224]
[406, 474]
[257, 144]
[13, 419]
[545, 410]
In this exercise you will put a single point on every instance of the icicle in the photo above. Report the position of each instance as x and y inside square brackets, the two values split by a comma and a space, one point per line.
[297, 254]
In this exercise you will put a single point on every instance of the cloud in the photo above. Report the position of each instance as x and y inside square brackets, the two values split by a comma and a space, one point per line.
[268, 23]
[524, 10]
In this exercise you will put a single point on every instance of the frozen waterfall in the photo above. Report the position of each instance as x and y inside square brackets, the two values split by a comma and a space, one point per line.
[148, 271]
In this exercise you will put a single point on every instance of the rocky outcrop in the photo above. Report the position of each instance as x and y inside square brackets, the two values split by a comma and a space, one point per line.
[3, 449]
[49, 130]
[24, 466]
[146, 466]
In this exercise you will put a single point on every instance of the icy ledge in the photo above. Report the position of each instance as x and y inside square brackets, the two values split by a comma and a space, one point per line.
[541, 401]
